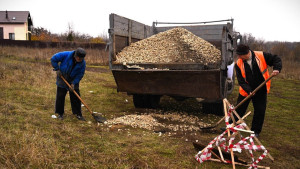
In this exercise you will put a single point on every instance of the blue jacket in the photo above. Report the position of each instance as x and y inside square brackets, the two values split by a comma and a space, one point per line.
[67, 60]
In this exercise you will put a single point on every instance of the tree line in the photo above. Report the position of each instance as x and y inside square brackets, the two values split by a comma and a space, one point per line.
[289, 52]
[286, 50]
[42, 34]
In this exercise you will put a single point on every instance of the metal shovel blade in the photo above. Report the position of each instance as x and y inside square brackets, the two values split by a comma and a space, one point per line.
[213, 126]
[209, 127]
[99, 119]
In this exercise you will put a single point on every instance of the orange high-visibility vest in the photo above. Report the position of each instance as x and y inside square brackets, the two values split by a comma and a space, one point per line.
[263, 67]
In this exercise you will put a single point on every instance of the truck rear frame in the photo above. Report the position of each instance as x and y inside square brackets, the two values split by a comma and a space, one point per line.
[179, 80]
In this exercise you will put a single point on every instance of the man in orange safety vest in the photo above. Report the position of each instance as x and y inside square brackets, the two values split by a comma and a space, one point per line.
[252, 70]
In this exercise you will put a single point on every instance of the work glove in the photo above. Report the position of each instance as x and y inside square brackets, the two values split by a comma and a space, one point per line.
[72, 88]
[58, 72]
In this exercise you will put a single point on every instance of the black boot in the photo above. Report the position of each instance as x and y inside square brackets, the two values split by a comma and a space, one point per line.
[60, 117]
[80, 118]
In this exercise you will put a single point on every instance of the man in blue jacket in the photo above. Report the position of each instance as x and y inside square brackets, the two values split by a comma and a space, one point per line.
[70, 65]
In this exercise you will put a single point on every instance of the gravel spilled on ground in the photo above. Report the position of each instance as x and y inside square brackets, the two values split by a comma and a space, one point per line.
[166, 122]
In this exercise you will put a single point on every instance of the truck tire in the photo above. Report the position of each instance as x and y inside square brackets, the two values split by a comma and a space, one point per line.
[179, 98]
[213, 108]
[153, 101]
[138, 101]
[146, 101]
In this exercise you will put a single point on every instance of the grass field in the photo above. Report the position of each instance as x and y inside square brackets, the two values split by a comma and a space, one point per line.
[32, 139]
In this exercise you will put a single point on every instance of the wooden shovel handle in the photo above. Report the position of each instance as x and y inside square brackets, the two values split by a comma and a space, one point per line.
[76, 94]
[254, 91]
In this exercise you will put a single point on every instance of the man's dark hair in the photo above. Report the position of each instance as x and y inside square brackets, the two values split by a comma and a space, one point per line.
[80, 52]
[242, 49]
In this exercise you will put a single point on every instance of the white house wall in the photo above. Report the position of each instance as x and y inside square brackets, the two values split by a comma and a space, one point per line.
[20, 31]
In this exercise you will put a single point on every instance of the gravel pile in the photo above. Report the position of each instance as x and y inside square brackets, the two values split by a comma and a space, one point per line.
[176, 45]
[136, 121]
[171, 121]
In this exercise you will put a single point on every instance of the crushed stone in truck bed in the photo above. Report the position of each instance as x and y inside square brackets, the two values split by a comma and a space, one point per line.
[176, 45]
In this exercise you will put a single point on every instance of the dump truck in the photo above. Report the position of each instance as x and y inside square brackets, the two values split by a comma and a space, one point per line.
[211, 83]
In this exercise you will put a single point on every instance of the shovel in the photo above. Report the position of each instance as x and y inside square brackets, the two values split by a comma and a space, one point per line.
[99, 119]
[248, 97]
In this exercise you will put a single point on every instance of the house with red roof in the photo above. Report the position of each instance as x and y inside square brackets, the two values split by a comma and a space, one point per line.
[15, 25]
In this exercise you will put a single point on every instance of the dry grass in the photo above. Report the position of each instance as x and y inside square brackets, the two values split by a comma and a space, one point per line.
[94, 56]
[290, 69]
[32, 139]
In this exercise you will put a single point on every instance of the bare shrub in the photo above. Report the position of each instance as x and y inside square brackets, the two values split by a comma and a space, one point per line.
[94, 56]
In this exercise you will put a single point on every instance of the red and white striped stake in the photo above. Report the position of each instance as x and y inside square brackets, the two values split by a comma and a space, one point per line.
[241, 145]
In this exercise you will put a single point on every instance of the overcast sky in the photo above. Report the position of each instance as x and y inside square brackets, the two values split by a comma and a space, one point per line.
[265, 19]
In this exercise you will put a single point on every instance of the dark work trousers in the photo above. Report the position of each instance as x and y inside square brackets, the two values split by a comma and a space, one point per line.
[259, 101]
[60, 101]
